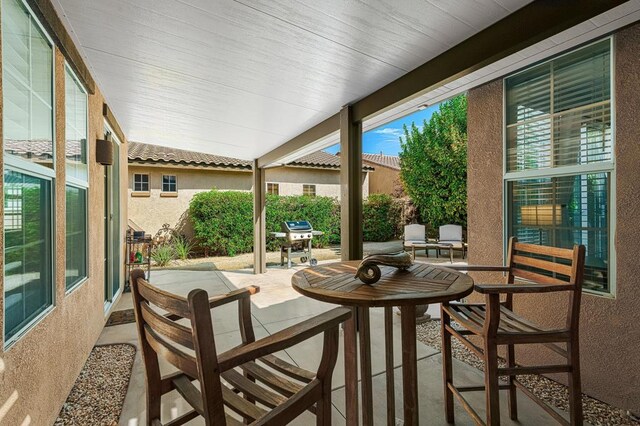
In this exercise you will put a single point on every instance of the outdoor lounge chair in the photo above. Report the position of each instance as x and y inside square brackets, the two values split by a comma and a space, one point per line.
[452, 234]
[494, 323]
[288, 390]
[414, 234]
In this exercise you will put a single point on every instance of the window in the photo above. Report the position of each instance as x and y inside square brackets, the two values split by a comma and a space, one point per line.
[27, 86]
[309, 190]
[77, 176]
[76, 128]
[559, 157]
[273, 188]
[141, 182]
[169, 183]
[27, 90]
[28, 269]
[76, 220]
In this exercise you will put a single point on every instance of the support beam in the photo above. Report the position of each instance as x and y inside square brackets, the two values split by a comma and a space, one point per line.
[48, 17]
[259, 220]
[525, 27]
[111, 119]
[350, 185]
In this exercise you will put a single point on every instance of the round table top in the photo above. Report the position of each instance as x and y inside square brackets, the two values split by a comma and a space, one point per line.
[421, 284]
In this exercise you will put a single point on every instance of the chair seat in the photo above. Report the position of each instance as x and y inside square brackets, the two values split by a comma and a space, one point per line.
[456, 244]
[472, 317]
[269, 383]
[410, 243]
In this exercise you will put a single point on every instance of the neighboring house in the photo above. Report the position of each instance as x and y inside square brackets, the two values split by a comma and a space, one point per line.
[554, 149]
[162, 181]
[386, 177]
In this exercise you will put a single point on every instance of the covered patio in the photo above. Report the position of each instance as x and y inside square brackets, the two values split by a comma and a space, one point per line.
[278, 306]
[269, 82]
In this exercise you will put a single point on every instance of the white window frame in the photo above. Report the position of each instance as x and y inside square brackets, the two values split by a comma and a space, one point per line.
[20, 165]
[81, 184]
[148, 182]
[572, 170]
[175, 177]
[315, 189]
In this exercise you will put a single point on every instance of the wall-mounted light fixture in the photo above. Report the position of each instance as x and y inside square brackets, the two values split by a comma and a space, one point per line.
[104, 152]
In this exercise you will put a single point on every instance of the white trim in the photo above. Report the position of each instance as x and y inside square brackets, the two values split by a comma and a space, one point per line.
[560, 171]
[74, 180]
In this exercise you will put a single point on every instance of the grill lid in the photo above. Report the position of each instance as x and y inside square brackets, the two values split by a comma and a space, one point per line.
[296, 226]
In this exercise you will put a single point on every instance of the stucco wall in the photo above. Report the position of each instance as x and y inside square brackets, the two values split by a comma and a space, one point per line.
[153, 210]
[383, 180]
[38, 371]
[610, 327]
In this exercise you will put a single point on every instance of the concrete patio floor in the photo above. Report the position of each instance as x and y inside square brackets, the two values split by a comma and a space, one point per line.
[278, 306]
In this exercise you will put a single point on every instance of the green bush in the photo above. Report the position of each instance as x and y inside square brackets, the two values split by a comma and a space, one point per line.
[223, 220]
[380, 217]
[163, 254]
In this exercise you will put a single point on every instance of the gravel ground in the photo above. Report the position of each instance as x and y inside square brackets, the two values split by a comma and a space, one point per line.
[98, 394]
[596, 412]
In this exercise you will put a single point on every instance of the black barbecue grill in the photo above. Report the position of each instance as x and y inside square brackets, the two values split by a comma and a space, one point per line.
[296, 239]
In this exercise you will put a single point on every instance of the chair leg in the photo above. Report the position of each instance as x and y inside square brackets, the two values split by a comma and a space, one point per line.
[323, 407]
[492, 394]
[447, 367]
[513, 399]
[575, 386]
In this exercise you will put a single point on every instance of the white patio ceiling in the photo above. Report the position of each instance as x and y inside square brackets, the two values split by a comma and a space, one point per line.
[241, 77]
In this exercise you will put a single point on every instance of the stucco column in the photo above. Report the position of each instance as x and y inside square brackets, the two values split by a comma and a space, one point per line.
[350, 185]
[259, 219]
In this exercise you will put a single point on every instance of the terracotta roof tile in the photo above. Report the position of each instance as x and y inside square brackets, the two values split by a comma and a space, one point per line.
[321, 159]
[146, 153]
[391, 161]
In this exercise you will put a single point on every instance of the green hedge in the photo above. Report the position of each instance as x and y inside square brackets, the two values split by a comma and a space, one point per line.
[380, 218]
[223, 220]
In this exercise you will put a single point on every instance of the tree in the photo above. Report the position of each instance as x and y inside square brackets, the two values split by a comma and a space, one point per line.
[434, 164]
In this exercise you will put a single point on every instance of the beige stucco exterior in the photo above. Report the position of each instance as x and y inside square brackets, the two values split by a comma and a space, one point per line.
[610, 326]
[383, 180]
[150, 211]
[38, 370]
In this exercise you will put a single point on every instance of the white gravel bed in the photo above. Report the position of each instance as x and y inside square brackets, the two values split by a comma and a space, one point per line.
[98, 394]
[596, 412]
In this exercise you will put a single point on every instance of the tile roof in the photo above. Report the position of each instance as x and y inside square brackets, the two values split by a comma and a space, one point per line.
[146, 153]
[321, 159]
[391, 161]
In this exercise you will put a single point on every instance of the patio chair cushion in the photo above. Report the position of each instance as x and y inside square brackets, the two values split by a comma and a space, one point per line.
[456, 244]
[449, 233]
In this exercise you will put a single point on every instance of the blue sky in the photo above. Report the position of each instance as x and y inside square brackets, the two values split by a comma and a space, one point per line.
[386, 138]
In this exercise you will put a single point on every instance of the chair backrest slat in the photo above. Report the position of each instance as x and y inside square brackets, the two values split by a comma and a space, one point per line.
[184, 362]
[535, 277]
[544, 250]
[542, 264]
[170, 329]
[171, 303]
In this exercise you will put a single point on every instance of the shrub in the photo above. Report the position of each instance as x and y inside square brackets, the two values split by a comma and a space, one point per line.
[381, 215]
[182, 246]
[223, 221]
[163, 254]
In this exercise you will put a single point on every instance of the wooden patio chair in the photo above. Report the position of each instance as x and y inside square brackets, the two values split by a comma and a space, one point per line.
[536, 269]
[180, 330]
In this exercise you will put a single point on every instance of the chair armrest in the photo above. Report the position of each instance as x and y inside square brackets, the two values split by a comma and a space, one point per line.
[522, 288]
[222, 299]
[479, 268]
[283, 339]
[215, 301]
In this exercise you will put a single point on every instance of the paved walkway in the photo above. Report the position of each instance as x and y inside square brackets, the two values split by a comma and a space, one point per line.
[278, 306]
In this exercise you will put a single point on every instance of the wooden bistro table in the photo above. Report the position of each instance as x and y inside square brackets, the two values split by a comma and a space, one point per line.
[421, 284]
